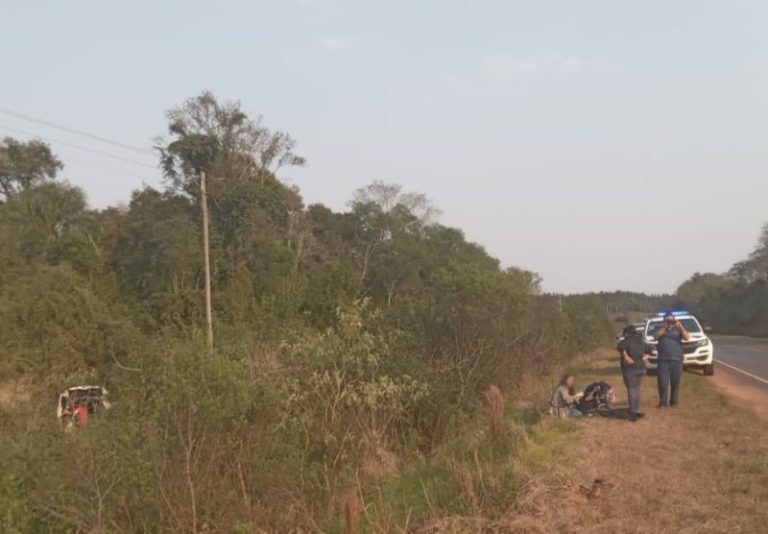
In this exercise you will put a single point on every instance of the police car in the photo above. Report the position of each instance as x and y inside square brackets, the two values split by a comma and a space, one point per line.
[698, 351]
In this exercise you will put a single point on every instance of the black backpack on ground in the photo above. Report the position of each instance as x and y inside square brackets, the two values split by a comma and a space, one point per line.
[597, 397]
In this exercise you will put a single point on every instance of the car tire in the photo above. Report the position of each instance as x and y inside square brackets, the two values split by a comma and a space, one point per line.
[709, 370]
[651, 372]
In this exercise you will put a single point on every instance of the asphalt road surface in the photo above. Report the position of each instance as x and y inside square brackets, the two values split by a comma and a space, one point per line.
[743, 355]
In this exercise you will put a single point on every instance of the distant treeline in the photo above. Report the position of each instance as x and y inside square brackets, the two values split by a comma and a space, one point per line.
[735, 302]
[624, 302]
[622, 306]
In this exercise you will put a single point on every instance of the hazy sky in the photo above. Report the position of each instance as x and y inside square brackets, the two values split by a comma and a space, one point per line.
[604, 144]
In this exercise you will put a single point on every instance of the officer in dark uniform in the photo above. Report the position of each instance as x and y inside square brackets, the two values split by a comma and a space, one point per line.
[670, 349]
[633, 353]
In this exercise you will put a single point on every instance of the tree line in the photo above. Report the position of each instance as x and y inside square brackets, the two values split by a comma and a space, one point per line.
[346, 343]
[735, 302]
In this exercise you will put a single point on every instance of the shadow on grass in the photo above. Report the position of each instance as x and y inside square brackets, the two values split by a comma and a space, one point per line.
[616, 412]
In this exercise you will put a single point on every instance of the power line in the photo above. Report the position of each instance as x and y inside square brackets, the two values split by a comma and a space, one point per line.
[75, 131]
[78, 147]
[107, 168]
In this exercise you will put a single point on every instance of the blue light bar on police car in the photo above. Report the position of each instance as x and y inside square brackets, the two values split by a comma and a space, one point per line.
[674, 313]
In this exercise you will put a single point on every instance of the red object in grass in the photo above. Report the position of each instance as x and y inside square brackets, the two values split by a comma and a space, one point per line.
[81, 416]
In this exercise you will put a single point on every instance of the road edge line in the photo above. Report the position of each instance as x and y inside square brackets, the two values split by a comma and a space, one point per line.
[742, 371]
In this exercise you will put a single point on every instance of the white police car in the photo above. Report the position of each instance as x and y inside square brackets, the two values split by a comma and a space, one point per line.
[698, 351]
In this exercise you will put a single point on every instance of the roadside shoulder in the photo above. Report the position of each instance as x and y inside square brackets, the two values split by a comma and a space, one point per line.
[742, 390]
[702, 467]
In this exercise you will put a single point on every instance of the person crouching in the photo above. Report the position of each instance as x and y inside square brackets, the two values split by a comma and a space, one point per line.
[564, 399]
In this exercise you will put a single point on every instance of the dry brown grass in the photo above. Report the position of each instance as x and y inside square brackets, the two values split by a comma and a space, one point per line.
[495, 404]
[699, 468]
[702, 467]
[13, 393]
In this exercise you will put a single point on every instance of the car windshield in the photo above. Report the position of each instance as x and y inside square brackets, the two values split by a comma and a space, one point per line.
[689, 324]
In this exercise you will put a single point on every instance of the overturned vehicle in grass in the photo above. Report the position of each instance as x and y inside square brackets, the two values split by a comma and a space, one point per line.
[78, 403]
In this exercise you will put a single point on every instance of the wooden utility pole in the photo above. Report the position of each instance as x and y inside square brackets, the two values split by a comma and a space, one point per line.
[207, 259]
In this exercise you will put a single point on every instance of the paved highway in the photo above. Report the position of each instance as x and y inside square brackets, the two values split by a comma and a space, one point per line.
[743, 355]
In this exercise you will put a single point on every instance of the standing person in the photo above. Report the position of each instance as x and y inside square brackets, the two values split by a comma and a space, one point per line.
[633, 353]
[564, 399]
[670, 366]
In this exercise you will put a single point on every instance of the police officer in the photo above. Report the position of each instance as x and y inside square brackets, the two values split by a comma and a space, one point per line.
[633, 353]
[670, 339]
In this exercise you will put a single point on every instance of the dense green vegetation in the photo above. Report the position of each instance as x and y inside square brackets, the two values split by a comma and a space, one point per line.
[352, 349]
[735, 302]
